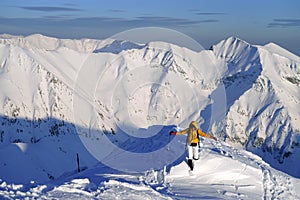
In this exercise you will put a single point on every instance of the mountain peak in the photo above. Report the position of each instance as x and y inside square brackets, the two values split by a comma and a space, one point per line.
[43, 42]
[275, 48]
[39, 41]
[8, 36]
[230, 46]
[39, 36]
[234, 39]
[236, 53]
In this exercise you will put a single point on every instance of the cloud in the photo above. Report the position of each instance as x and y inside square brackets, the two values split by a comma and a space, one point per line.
[284, 23]
[208, 21]
[169, 21]
[70, 4]
[198, 12]
[92, 27]
[49, 8]
[59, 17]
[71, 20]
[116, 10]
[209, 13]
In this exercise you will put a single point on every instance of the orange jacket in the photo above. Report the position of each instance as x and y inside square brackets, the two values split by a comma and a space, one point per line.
[194, 132]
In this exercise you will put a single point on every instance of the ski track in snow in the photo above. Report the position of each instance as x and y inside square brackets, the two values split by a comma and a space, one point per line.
[274, 184]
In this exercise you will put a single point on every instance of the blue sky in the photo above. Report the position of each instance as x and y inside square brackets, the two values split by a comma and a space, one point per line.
[206, 21]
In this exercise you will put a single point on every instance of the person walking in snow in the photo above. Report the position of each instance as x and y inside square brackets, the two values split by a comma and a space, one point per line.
[192, 141]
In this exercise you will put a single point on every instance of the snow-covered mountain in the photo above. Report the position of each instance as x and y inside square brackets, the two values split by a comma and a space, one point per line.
[262, 87]
[103, 100]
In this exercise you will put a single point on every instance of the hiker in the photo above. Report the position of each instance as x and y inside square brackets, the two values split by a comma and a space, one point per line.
[192, 141]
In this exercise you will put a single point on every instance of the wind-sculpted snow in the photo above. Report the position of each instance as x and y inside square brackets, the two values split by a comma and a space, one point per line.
[115, 102]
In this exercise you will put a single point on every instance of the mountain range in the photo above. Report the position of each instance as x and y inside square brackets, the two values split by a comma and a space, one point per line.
[61, 97]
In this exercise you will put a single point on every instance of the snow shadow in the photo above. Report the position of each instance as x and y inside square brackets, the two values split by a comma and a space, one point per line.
[230, 89]
[40, 150]
[239, 83]
[118, 46]
[46, 149]
[143, 145]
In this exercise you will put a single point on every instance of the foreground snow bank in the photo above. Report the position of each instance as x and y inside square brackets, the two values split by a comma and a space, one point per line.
[222, 172]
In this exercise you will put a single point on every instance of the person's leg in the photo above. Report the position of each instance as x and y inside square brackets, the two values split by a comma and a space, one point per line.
[191, 164]
[190, 157]
[190, 152]
[196, 152]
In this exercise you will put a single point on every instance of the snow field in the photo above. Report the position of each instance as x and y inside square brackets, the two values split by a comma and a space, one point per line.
[222, 172]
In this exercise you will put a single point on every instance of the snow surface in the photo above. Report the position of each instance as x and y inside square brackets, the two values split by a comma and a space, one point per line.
[222, 172]
[113, 103]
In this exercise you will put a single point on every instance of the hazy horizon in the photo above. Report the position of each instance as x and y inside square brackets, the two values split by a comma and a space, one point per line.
[207, 22]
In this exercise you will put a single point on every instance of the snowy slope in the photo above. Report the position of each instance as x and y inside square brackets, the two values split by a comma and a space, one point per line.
[275, 49]
[36, 110]
[221, 173]
[115, 102]
[263, 90]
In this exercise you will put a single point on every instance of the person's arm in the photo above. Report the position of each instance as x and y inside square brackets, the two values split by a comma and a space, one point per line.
[202, 134]
[179, 132]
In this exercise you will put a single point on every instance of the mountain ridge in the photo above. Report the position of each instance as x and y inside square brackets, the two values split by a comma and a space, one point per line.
[275, 84]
